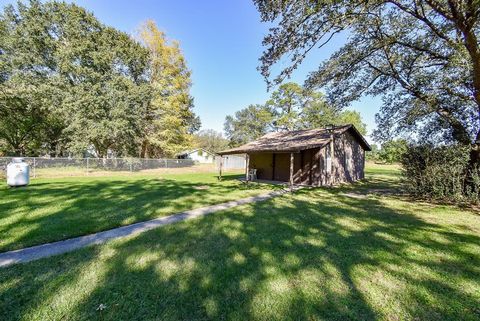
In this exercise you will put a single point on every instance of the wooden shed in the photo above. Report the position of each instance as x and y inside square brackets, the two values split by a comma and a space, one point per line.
[323, 156]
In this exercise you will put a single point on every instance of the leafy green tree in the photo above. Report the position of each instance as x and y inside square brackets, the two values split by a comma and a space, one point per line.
[422, 57]
[210, 140]
[392, 151]
[79, 83]
[107, 116]
[169, 118]
[296, 107]
[108, 93]
[20, 124]
[28, 91]
[248, 124]
[352, 117]
[68, 82]
[287, 103]
[290, 107]
[373, 155]
[318, 114]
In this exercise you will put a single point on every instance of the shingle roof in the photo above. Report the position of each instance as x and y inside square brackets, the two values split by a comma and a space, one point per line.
[295, 141]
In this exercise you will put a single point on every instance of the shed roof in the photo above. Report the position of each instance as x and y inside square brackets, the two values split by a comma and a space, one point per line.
[295, 141]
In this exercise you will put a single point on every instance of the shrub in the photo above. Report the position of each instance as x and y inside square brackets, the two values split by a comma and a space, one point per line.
[440, 173]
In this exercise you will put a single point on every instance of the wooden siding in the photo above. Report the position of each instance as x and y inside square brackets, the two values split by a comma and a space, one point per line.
[307, 167]
[282, 167]
[349, 160]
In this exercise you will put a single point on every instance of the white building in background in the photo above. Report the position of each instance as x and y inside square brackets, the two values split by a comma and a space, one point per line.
[199, 155]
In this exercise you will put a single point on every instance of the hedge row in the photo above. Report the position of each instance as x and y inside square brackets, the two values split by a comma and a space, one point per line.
[441, 173]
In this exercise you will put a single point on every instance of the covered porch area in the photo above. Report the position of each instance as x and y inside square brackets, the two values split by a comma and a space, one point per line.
[268, 167]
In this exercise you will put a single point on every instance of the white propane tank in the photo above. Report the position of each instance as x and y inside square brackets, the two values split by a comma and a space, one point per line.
[18, 173]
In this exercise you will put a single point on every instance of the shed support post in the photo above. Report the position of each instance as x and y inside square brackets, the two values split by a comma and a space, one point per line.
[273, 166]
[247, 165]
[220, 168]
[332, 157]
[291, 171]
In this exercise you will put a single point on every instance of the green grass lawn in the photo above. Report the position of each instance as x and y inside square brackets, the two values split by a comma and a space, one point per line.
[52, 209]
[312, 255]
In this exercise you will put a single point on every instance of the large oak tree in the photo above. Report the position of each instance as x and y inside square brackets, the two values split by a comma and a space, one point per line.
[69, 83]
[421, 56]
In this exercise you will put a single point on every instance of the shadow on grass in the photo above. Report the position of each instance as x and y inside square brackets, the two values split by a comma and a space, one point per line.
[383, 181]
[52, 211]
[285, 259]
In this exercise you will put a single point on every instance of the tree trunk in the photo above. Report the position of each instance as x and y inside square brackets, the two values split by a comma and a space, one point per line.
[144, 149]
[473, 165]
[471, 44]
[19, 151]
[475, 154]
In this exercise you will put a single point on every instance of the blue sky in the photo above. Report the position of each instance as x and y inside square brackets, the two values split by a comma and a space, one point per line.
[221, 41]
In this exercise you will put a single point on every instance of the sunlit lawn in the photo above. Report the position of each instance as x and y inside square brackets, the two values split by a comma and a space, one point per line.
[51, 209]
[313, 255]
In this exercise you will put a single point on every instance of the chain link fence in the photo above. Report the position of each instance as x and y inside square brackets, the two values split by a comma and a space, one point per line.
[84, 166]
[59, 167]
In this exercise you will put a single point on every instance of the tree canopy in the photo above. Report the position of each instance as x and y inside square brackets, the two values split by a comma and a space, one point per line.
[248, 124]
[290, 107]
[392, 151]
[422, 57]
[210, 140]
[70, 84]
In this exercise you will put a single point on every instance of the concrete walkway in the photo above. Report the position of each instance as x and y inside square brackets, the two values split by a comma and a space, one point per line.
[55, 248]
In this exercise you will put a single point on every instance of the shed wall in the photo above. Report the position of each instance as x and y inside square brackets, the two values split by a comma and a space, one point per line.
[282, 167]
[307, 167]
[310, 168]
[349, 161]
[263, 162]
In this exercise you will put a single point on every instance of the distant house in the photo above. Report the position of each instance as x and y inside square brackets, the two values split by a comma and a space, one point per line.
[199, 155]
[323, 156]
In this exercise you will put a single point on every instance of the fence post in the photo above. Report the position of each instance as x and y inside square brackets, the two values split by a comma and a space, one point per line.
[34, 169]
[220, 169]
